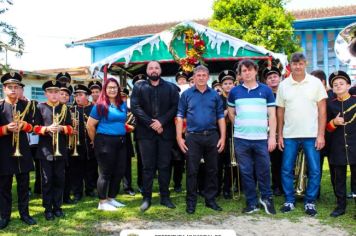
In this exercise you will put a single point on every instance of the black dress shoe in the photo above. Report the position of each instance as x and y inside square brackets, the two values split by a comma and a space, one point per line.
[168, 203]
[227, 195]
[337, 212]
[190, 208]
[145, 205]
[49, 216]
[4, 223]
[213, 205]
[68, 201]
[28, 220]
[77, 198]
[178, 189]
[89, 194]
[58, 213]
[130, 192]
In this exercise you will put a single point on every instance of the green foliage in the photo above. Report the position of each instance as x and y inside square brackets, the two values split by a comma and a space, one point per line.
[264, 23]
[9, 39]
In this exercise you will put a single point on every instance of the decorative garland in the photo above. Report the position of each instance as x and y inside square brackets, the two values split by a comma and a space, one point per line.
[194, 47]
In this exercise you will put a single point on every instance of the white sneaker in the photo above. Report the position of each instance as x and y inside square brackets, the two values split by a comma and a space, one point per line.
[115, 203]
[106, 206]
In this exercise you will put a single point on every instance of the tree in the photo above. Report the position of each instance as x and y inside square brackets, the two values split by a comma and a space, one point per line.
[264, 23]
[9, 39]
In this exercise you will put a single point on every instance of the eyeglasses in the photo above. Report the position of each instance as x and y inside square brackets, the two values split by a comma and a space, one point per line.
[112, 88]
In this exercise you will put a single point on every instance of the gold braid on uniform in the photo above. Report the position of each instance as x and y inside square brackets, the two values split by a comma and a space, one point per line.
[353, 117]
[33, 108]
[62, 114]
[24, 113]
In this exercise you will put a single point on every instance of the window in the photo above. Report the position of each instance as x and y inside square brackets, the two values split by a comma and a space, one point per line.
[38, 94]
[309, 51]
[331, 53]
[1, 92]
[320, 50]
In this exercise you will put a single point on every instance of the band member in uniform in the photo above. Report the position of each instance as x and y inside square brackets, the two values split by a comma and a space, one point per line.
[216, 86]
[95, 88]
[83, 165]
[54, 124]
[106, 130]
[65, 92]
[227, 159]
[154, 103]
[341, 123]
[178, 157]
[203, 109]
[16, 159]
[272, 78]
[130, 125]
[137, 79]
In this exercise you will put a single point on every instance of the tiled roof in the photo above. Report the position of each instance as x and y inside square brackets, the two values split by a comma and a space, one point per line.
[137, 30]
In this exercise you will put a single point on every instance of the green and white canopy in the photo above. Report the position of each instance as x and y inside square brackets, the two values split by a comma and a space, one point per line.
[222, 51]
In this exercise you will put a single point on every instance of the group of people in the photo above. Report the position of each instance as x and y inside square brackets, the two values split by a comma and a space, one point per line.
[249, 127]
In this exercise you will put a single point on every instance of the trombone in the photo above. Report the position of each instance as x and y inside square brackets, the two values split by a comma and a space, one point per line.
[16, 135]
[55, 136]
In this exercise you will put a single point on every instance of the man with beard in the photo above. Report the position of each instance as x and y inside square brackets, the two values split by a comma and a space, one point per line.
[154, 103]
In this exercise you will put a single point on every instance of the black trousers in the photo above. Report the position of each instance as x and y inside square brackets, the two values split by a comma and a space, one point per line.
[338, 179]
[224, 170]
[23, 181]
[110, 152]
[67, 181]
[198, 146]
[139, 165]
[53, 178]
[276, 166]
[37, 185]
[156, 155]
[127, 180]
[84, 175]
[177, 172]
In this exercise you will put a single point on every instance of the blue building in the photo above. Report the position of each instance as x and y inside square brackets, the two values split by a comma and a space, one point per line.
[316, 30]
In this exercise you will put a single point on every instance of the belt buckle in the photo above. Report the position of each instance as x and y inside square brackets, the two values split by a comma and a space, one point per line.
[205, 132]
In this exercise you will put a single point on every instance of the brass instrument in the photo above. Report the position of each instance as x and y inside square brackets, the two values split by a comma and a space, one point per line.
[55, 136]
[16, 135]
[75, 138]
[300, 174]
[345, 45]
[233, 163]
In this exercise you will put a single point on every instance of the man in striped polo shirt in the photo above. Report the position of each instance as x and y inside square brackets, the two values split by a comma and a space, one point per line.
[252, 110]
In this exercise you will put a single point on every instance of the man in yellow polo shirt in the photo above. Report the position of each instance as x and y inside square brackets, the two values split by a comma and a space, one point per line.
[301, 118]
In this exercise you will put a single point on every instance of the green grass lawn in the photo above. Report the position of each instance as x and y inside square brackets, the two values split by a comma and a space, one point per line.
[81, 218]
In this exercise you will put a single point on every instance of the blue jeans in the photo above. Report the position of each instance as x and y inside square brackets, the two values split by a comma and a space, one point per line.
[253, 157]
[312, 155]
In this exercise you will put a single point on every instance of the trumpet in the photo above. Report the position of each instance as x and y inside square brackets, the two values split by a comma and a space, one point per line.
[75, 141]
[16, 135]
[55, 136]
[300, 174]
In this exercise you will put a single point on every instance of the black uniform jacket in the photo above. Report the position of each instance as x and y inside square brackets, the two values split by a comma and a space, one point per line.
[9, 164]
[44, 118]
[154, 102]
[342, 143]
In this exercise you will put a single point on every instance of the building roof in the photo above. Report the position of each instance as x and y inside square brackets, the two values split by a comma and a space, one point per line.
[77, 73]
[138, 30]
